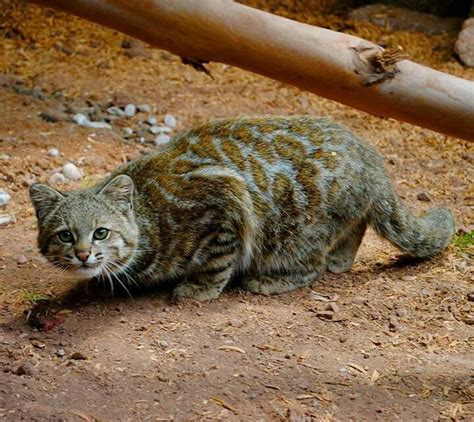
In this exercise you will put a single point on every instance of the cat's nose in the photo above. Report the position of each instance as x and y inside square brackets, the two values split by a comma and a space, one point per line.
[83, 256]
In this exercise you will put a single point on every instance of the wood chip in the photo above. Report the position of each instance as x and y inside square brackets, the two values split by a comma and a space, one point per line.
[222, 403]
[357, 367]
[374, 377]
[232, 349]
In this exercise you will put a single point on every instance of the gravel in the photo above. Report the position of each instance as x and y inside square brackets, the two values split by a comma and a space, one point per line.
[161, 140]
[144, 108]
[130, 110]
[5, 220]
[57, 179]
[4, 197]
[127, 131]
[53, 152]
[72, 172]
[170, 121]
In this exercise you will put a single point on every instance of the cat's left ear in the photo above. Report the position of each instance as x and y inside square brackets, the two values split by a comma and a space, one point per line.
[43, 198]
[120, 191]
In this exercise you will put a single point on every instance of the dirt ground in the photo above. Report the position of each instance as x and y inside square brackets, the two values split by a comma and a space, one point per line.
[390, 340]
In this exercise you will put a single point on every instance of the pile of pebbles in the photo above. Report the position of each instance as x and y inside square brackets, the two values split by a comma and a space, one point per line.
[5, 197]
[146, 130]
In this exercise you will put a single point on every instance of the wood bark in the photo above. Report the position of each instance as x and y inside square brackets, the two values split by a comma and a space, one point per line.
[334, 65]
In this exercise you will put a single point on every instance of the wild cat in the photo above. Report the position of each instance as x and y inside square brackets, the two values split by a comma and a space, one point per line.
[273, 200]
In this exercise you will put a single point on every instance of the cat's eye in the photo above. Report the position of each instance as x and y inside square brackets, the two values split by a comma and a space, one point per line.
[66, 236]
[100, 234]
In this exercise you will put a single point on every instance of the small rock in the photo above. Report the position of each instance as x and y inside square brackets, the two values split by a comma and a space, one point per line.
[419, 370]
[144, 108]
[159, 129]
[130, 110]
[5, 220]
[98, 125]
[393, 324]
[24, 369]
[464, 46]
[53, 152]
[170, 121]
[161, 140]
[80, 119]
[423, 197]
[71, 172]
[78, 356]
[163, 343]
[4, 197]
[470, 296]
[21, 259]
[60, 353]
[57, 179]
[54, 116]
[236, 323]
[155, 130]
[116, 111]
[127, 131]
[151, 120]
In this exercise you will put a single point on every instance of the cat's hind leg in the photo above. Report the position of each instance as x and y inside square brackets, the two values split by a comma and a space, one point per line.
[341, 257]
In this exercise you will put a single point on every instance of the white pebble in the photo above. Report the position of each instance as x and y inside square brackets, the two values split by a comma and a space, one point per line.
[130, 110]
[127, 131]
[80, 119]
[53, 152]
[115, 111]
[71, 172]
[162, 129]
[161, 140]
[155, 130]
[144, 108]
[57, 179]
[151, 120]
[5, 220]
[170, 121]
[4, 197]
[98, 125]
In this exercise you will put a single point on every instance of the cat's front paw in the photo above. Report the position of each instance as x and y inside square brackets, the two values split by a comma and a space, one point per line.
[196, 291]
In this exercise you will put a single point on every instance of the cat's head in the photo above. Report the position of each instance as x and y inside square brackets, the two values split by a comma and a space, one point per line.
[89, 232]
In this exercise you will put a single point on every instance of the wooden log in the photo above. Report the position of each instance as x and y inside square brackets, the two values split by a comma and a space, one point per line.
[334, 65]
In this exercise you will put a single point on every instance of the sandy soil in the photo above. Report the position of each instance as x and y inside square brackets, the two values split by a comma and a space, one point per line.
[390, 340]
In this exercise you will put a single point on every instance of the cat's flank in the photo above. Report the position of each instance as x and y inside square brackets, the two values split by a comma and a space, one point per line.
[275, 201]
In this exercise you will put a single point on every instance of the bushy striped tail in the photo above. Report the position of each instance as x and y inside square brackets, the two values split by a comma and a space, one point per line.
[423, 236]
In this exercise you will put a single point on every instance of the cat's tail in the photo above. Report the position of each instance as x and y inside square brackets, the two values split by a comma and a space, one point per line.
[422, 236]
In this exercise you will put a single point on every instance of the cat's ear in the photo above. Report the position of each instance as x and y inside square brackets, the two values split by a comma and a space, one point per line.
[43, 198]
[120, 191]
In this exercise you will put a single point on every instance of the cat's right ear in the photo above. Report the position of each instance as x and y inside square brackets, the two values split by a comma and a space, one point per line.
[43, 198]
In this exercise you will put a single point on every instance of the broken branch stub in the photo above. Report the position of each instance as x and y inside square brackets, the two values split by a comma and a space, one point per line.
[334, 65]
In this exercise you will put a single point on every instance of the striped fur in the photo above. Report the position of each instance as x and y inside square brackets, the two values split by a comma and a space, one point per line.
[277, 200]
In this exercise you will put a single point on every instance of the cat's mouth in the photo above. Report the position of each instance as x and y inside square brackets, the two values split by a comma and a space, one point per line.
[88, 271]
